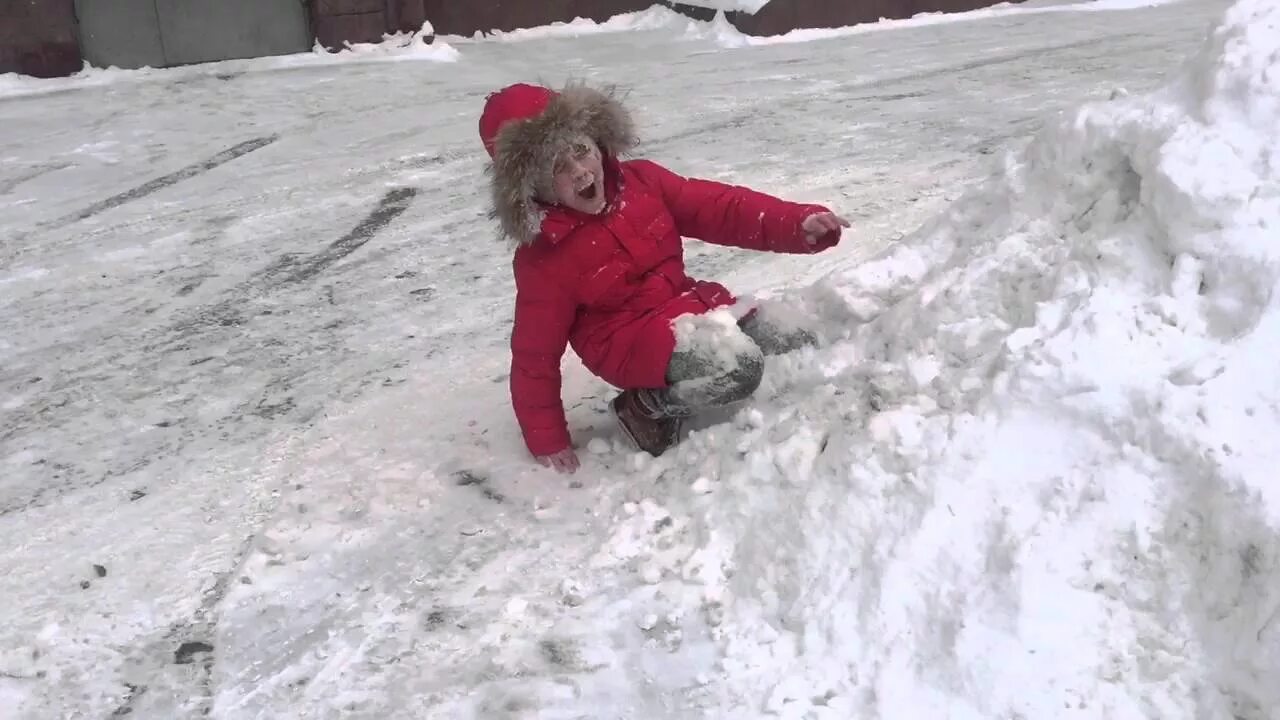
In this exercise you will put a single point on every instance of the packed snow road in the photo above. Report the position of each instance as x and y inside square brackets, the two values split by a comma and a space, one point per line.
[258, 458]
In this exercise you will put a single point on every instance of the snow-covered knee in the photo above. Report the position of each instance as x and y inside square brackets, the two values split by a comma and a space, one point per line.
[715, 363]
[714, 338]
[700, 383]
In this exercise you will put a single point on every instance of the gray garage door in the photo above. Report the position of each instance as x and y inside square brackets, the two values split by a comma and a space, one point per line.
[160, 33]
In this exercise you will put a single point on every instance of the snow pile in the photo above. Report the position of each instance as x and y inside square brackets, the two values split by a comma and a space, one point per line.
[419, 45]
[731, 38]
[1033, 476]
[657, 17]
[722, 33]
[16, 85]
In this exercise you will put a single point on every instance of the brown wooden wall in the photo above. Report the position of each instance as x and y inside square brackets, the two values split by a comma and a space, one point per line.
[782, 16]
[451, 17]
[336, 21]
[38, 37]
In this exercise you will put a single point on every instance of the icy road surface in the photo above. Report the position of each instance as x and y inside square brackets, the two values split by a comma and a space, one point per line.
[257, 452]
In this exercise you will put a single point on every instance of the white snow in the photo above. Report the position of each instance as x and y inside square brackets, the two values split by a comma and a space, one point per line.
[1070, 512]
[714, 335]
[1026, 475]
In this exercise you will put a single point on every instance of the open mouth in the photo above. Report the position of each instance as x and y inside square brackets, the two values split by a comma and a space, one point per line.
[589, 192]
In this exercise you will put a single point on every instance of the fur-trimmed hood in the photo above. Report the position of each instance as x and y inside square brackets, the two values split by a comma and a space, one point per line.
[524, 126]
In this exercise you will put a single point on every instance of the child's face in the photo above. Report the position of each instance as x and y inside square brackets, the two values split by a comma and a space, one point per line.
[578, 179]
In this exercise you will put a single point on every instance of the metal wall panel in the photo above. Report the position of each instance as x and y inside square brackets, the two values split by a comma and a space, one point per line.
[197, 31]
[124, 33]
[161, 33]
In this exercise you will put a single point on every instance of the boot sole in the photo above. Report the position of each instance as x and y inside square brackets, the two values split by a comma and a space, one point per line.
[626, 432]
[631, 439]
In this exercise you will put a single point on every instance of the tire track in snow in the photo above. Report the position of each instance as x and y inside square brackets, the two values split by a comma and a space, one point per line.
[9, 185]
[221, 324]
[165, 181]
[389, 208]
[290, 270]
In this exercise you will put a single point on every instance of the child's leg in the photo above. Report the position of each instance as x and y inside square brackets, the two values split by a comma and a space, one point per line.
[700, 381]
[715, 364]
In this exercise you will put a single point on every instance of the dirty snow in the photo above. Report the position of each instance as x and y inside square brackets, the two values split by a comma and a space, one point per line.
[259, 463]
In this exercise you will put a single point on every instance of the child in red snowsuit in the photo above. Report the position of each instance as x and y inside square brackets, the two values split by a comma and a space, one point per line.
[599, 266]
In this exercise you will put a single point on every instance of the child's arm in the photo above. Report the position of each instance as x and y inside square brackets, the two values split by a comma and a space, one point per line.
[543, 317]
[738, 216]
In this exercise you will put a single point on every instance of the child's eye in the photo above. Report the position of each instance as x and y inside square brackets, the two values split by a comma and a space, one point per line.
[581, 150]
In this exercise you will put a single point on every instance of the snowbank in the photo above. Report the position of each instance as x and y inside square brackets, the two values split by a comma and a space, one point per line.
[657, 17]
[419, 45]
[725, 35]
[15, 85]
[1031, 475]
[720, 31]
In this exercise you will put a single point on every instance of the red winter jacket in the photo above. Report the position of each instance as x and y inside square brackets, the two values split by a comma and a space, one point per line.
[610, 284]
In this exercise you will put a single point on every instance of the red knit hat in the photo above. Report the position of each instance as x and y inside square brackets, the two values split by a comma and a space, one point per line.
[514, 102]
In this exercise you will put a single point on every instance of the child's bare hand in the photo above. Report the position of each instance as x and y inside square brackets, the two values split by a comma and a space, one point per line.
[820, 224]
[565, 461]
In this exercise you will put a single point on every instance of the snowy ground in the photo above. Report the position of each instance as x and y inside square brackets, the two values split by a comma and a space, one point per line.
[259, 460]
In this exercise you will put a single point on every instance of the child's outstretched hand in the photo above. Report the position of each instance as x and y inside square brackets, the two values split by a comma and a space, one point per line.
[565, 461]
[820, 224]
